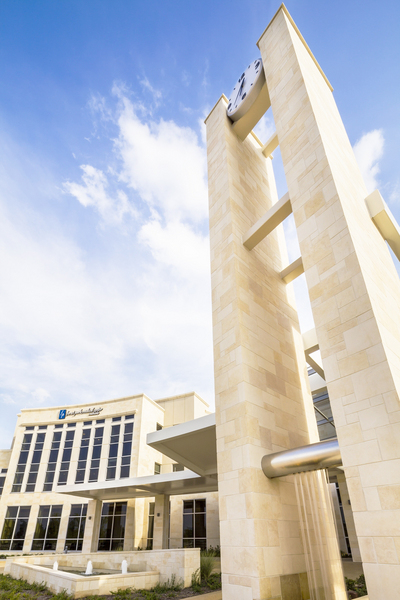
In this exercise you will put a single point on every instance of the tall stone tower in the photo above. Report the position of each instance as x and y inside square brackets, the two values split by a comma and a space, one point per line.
[263, 401]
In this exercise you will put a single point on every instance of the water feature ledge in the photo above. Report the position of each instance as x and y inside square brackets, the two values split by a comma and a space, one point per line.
[80, 585]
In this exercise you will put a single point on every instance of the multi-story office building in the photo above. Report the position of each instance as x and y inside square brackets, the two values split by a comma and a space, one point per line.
[120, 484]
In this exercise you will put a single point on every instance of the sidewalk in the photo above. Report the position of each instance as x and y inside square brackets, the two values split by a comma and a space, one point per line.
[211, 596]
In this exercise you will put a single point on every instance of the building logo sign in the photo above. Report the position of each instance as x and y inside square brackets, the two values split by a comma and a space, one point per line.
[93, 412]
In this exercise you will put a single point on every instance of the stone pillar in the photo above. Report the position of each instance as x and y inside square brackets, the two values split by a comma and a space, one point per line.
[161, 522]
[262, 396]
[348, 516]
[92, 527]
[354, 291]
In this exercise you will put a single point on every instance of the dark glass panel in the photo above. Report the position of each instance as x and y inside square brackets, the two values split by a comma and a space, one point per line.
[24, 512]
[23, 457]
[8, 529]
[188, 506]
[82, 528]
[66, 457]
[50, 544]
[200, 525]
[73, 527]
[56, 510]
[198, 543]
[128, 427]
[117, 545]
[111, 471]
[76, 510]
[96, 452]
[52, 530]
[80, 476]
[105, 527]
[188, 543]
[125, 472]
[187, 526]
[84, 509]
[40, 529]
[126, 448]
[53, 456]
[70, 435]
[37, 545]
[62, 479]
[20, 529]
[71, 545]
[113, 450]
[200, 506]
[40, 438]
[104, 545]
[5, 544]
[12, 512]
[119, 527]
[17, 544]
[120, 508]
[108, 509]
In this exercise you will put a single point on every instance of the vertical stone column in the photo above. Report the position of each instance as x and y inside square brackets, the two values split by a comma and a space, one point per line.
[161, 519]
[91, 538]
[354, 291]
[263, 402]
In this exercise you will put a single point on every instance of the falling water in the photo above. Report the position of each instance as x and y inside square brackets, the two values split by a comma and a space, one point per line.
[319, 535]
[89, 568]
[55, 566]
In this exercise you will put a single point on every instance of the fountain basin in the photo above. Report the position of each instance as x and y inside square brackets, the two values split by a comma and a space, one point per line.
[80, 585]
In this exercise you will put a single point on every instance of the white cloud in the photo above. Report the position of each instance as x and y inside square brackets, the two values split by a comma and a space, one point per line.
[164, 164]
[93, 193]
[368, 151]
[264, 128]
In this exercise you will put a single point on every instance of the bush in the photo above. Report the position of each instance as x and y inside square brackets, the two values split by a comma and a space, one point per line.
[357, 585]
[206, 567]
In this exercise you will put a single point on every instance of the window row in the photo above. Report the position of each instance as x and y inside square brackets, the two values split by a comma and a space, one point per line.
[119, 456]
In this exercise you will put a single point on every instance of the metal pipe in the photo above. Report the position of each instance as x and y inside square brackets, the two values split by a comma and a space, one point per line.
[305, 458]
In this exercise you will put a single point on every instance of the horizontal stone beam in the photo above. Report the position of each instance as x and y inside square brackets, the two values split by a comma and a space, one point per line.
[294, 270]
[272, 218]
[384, 221]
[310, 341]
[271, 145]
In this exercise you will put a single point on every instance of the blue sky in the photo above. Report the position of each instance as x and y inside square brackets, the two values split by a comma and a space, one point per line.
[104, 273]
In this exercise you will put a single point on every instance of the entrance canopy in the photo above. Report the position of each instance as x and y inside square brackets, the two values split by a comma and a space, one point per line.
[191, 444]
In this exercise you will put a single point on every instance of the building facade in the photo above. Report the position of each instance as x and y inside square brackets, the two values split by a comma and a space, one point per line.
[97, 445]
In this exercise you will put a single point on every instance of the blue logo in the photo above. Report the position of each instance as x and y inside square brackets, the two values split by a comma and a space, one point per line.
[62, 414]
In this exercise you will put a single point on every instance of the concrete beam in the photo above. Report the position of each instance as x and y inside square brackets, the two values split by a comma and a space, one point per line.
[310, 341]
[271, 145]
[272, 218]
[384, 221]
[294, 270]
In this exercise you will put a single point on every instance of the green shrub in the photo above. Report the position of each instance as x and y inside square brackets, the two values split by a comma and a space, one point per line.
[171, 585]
[357, 585]
[206, 567]
[123, 594]
[63, 595]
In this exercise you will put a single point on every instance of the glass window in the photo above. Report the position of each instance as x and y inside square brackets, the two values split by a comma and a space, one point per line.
[177, 467]
[96, 453]
[23, 459]
[83, 454]
[14, 528]
[126, 451]
[76, 527]
[47, 527]
[150, 527]
[35, 462]
[112, 526]
[2, 480]
[194, 524]
[129, 417]
[157, 468]
[66, 456]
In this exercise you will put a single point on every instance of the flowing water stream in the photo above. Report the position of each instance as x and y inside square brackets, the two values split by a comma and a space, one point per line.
[319, 535]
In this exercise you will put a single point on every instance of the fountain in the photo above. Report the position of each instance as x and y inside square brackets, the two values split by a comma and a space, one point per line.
[309, 466]
[55, 566]
[124, 567]
[89, 568]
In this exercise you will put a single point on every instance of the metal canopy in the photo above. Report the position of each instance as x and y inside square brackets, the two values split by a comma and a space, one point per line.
[182, 482]
[192, 444]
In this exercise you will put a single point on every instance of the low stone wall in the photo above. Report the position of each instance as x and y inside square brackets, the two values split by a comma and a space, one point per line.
[181, 562]
[79, 586]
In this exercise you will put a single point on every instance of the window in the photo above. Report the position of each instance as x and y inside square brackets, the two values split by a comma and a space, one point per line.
[96, 453]
[126, 451]
[83, 455]
[14, 528]
[23, 459]
[47, 526]
[113, 452]
[76, 527]
[157, 468]
[51, 465]
[129, 417]
[194, 524]
[177, 467]
[112, 526]
[35, 462]
[2, 480]
[66, 457]
[150, 528]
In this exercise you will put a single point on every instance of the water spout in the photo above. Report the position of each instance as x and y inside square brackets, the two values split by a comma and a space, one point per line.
[124, 567]
[89, 568]
[55, 566]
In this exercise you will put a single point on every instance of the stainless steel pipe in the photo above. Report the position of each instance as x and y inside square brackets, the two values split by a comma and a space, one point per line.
[305, 458]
